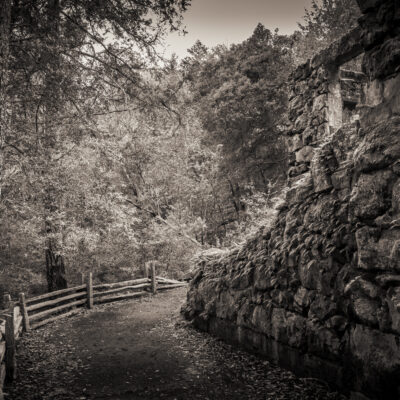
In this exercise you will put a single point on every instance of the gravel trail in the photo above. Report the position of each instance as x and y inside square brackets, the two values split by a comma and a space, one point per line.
[142, 349]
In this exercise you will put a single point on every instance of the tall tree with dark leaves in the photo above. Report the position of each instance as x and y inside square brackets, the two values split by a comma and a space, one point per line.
[241, 97]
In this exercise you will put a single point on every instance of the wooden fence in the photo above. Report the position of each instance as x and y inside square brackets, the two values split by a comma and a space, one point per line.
[31, 313]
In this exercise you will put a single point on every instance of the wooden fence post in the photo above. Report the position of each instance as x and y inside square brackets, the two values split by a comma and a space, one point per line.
[153, 278]
[89, 290]
[24, 312]
[11, 361]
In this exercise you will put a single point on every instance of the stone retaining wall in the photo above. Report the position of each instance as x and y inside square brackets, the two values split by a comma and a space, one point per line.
[319, 292]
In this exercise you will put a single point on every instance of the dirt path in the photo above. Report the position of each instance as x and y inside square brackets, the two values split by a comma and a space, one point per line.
[141, 349]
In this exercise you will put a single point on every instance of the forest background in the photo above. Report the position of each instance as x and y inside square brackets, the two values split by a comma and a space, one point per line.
[111, 156]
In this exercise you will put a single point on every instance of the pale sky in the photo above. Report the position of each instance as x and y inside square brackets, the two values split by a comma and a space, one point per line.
[232, 21]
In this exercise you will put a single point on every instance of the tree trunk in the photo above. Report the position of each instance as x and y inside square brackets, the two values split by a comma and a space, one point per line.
[55, 271]
[55, 268]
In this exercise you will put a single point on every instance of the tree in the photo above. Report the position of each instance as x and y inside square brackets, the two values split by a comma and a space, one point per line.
[65, 72]
[325, 22]
[241, 97]
[5, 22]
[109, 158]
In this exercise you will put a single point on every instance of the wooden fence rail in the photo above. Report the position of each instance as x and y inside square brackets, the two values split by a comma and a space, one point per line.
[55, 294]
[121, 284]
[31, 313]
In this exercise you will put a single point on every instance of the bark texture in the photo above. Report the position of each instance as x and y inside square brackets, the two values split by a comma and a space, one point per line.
[55, 271]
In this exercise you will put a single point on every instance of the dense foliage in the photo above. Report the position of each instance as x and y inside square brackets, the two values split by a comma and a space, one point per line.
[110, 158]
[325, 22]
[241, 96]
[60, 71]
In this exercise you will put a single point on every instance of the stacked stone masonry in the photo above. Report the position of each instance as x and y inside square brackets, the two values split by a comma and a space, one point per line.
[319, 291]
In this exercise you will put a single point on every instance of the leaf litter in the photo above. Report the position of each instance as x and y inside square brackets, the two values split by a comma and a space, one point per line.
[52, 365]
